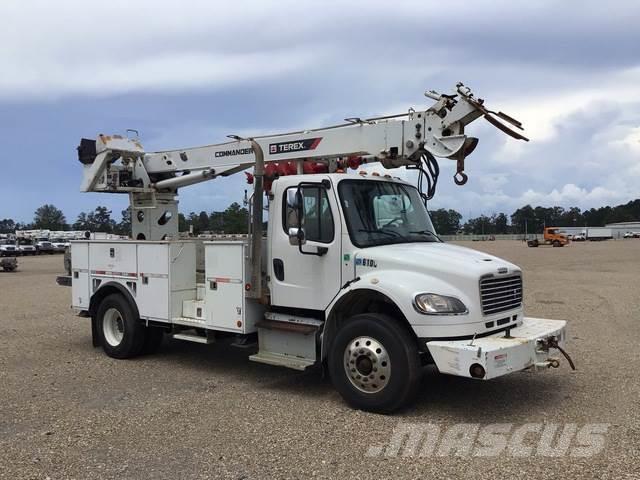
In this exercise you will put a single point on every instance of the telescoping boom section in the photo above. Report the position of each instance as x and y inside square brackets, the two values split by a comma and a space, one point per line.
[350, 273]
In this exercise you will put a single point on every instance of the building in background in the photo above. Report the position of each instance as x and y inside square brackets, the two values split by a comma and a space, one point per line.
[617, 229]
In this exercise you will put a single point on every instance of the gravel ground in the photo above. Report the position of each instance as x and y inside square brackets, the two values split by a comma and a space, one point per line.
[197, 411]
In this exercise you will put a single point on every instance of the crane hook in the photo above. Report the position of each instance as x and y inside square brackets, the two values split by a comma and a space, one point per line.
[460, 178]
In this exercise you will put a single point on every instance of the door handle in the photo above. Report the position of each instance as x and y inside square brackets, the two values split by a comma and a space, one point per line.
[278, 269]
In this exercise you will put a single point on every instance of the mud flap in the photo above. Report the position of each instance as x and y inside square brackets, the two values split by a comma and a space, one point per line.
[95, 341]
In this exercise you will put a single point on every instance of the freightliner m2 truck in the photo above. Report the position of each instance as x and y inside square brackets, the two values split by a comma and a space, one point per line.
[350, 274]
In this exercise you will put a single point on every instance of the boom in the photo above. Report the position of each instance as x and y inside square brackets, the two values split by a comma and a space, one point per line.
[118, 164]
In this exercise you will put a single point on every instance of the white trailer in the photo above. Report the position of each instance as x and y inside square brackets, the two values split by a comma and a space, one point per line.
[351, 274]
[595, 234]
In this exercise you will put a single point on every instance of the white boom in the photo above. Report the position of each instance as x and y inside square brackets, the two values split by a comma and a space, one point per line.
[118, 164]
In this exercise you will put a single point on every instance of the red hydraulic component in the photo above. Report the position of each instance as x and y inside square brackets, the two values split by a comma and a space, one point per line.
[354, 162]
[274, 170]
[309, 167]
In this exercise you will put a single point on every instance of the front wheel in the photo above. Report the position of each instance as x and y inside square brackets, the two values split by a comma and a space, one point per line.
[374, 363]
[120, 331]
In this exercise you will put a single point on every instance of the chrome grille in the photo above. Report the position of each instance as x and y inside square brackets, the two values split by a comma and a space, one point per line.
[499, 294]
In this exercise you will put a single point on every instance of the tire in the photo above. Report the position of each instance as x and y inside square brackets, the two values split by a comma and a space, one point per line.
[153, 340]
[556, 243]
[120, 331]
[396, 363]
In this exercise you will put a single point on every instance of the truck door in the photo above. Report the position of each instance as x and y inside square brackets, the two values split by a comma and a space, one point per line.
[311, 279]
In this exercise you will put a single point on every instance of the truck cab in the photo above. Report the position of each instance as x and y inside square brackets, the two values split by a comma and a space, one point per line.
[366, 238]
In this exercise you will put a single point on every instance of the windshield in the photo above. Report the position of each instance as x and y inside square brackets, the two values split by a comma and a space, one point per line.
[381, 213]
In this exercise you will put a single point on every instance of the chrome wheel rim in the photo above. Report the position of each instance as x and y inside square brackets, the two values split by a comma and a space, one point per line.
[113, 327]
[367, 364]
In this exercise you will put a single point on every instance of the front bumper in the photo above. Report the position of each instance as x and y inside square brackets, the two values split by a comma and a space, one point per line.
[525, 347]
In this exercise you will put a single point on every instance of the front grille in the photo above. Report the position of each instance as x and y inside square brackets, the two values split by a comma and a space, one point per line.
[499, 294]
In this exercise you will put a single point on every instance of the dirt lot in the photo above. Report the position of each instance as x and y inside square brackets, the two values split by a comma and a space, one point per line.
[196, 411]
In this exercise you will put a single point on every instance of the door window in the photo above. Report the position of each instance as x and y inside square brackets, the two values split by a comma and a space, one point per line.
[317, 219]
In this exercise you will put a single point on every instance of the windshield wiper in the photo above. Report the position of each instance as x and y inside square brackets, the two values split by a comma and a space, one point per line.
[380, 230]
[427, 232]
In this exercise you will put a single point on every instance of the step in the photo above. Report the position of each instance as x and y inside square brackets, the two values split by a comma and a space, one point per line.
[290, 323]
[285, 317]
[281, 360]
[286, 326]
[193, 338]
[191, 322]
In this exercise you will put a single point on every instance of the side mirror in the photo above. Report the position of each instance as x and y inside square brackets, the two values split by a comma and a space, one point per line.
[297, 236]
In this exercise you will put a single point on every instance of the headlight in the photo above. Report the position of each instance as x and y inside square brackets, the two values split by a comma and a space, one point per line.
[434, 304]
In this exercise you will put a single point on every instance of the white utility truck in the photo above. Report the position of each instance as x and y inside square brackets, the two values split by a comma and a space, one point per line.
[350, 276]
[596, 234]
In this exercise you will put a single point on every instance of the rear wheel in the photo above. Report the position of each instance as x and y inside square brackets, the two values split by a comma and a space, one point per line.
[120, 331]
[374, 363]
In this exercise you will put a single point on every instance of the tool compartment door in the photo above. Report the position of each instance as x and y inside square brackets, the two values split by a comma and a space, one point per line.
[80, 291]
[153, 281]
[224, 284]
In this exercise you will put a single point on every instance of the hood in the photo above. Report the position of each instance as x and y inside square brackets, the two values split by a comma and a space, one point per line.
[433, 258]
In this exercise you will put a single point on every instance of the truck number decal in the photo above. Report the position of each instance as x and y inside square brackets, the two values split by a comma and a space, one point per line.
[366, 262]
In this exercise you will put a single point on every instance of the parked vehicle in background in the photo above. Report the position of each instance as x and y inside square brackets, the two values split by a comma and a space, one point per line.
[579, 237]
[9, 264]
[60, 245]
[551, 236]
[8, 248]
[26, 247]
[44, 246]
[595, 234]
[628, 235]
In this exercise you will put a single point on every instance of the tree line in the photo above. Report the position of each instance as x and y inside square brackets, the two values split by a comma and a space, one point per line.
[48, 217]
[446, 221]
[533, 219]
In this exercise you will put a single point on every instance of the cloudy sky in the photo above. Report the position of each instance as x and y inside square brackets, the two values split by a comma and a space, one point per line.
[190, 72]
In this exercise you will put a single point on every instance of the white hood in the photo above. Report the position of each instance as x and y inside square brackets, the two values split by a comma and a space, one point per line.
[434, 259]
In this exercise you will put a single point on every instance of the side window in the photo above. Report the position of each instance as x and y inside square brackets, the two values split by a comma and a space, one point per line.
[317, 220]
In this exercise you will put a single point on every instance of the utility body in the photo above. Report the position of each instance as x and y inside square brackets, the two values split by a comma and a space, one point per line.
[350, 275]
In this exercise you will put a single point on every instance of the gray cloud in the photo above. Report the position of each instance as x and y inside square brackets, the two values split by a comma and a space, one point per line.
[190, 73]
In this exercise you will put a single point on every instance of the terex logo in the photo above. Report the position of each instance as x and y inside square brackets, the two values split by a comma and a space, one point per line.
[294, 146]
